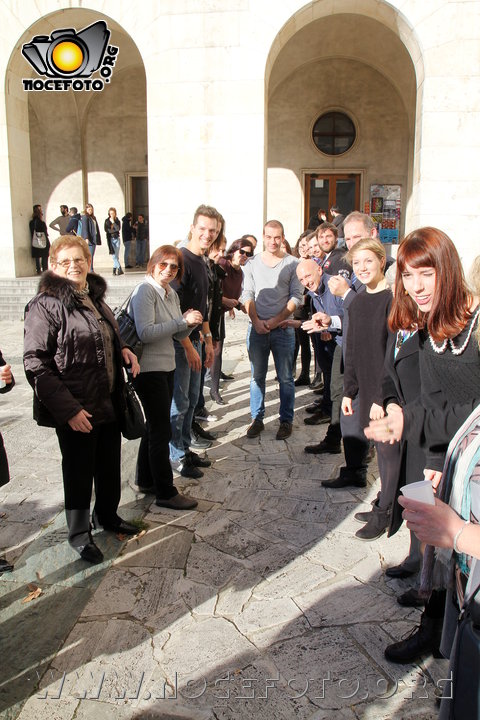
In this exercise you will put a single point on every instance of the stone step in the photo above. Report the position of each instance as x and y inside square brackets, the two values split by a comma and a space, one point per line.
[15, 293]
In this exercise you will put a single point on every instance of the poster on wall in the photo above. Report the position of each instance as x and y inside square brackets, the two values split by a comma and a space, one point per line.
[385, 207]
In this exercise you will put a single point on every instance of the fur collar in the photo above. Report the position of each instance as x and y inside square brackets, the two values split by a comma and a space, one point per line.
[64, 290]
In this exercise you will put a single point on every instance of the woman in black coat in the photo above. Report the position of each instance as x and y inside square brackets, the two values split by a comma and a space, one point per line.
[89, 230]
[401, 385]
[6, 384]
[74, 359]
[38, 225]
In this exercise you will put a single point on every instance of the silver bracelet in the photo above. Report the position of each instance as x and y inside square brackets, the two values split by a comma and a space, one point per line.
[457, 536]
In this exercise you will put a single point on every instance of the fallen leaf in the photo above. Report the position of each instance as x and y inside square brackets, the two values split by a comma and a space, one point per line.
[32, 595]
[32, 587]
[140, 534]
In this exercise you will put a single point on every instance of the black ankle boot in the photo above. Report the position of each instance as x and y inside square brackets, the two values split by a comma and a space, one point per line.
[303, 379]
[423, 640]
[114, 271]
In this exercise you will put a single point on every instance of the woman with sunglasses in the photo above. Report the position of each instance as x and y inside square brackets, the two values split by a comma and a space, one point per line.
[239, 252]
[155, 308]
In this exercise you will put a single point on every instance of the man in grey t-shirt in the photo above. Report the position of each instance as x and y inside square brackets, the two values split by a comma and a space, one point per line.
[271, 292]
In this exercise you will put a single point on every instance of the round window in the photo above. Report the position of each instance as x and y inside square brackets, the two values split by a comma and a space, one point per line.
[334, 133]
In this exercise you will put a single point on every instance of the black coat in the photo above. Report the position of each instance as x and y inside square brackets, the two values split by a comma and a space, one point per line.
[401, 385]
[4, 473]
[64, 356]
[39, 226]
[112, 232]
[217, 315]
[90, 230]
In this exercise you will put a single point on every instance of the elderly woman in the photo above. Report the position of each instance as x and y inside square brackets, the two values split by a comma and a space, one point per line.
[155, 308]
[6, 384]
[73, 359]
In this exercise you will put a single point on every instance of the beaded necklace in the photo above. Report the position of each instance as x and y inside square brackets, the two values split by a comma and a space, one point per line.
[455, 350]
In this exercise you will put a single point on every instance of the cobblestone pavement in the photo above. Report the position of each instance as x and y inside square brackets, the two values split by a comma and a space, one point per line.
[261, 602]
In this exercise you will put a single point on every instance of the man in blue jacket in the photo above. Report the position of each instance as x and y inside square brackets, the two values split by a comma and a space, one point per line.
[326, 340]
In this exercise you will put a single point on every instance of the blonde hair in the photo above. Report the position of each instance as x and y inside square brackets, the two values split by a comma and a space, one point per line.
[368, 243]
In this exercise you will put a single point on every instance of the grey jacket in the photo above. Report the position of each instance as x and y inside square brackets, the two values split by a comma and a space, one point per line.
[158, 321]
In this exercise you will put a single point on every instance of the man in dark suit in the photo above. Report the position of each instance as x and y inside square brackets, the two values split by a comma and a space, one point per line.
[356, 447]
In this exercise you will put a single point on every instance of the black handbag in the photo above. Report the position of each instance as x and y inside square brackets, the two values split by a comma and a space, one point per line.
[465, 701]
[132, 424]
[127, 329]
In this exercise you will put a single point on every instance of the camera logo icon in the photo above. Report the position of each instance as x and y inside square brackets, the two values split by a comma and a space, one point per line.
[68, 54]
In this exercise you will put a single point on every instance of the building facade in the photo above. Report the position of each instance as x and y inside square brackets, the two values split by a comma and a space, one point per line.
[217, 101]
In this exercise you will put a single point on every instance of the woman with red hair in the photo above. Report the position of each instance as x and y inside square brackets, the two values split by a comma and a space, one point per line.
[431, 293]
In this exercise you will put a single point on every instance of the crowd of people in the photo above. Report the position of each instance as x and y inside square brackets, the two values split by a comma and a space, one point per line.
[396, 372]
[72, 222]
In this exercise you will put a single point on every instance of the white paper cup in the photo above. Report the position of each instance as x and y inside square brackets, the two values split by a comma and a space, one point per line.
[420, 491]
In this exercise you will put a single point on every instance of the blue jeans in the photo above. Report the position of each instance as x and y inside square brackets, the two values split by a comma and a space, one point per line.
[116, 251]
[140, 252]
[92, 249]
[281, 343]
[186, 388]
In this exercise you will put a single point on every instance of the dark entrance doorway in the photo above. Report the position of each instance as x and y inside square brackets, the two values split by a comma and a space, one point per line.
[323, 190]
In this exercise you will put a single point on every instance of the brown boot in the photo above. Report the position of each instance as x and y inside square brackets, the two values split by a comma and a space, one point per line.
[377, 524]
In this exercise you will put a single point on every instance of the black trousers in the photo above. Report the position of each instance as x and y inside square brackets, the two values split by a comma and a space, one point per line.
[302, 344]
[155, 390]
[4, 473]
[324, 351]
[355, 444]
[92, 458]
[334, 432]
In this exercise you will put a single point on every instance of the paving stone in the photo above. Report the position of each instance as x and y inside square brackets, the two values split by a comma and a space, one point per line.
[117, 594]
[167, 709]
[200, 598]
[40, 708]
[208, 565]
[212, 487]
[308, 510]
[160, 547]
[261, 614]
[275, 458]
[214, 646]
[325, 665]
[337, 551]
[313, 471]
[269, 561]
[299, 575]
[232, 599]
[346, 602]
[55, 612]
[298, 533]
[105, 660]
[234, 540]
[245, 502]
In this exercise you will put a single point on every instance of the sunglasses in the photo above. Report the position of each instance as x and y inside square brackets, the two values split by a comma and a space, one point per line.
[248, 253]
[164, 265]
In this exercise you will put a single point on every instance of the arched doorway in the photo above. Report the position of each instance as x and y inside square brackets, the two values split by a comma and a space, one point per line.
[70, 147]
[349, 64]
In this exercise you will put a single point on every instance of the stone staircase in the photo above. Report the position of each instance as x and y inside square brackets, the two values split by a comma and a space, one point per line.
[15, 293]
